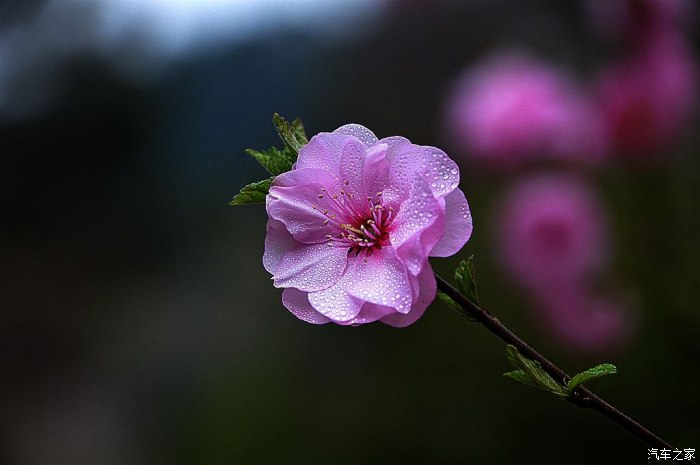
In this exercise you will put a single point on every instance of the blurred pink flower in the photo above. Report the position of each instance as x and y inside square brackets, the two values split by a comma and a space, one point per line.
[553, 241]
[352, 225]
[514, 109]
[551, 229]
[648, 99]
[585, 321]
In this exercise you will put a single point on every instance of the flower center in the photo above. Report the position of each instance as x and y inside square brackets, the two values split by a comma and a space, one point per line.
[360, 226]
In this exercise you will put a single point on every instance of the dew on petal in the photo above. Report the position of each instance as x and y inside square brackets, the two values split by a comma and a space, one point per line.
[366, 246]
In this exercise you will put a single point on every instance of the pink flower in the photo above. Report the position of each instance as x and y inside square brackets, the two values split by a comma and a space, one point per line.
[585, 321]
[551, 229]
[514, 109]
[553, 240]
[351, 227]
[648, 99]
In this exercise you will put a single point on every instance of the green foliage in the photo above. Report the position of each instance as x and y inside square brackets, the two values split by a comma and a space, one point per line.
[596, 372]
[275, 161]
[292, 134]
[447, 300]
[531, 373]
[252, 193]
[300, 132]
[521, 377]
[465, 277]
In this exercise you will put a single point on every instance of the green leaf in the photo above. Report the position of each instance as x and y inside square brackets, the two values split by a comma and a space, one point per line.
[596, 372]
[274, 160]
[300, 132]
[277, 161]
[533, 372]
[465, 277]
[252, 193]
[449, 301]
[521, 377]
[288, 133]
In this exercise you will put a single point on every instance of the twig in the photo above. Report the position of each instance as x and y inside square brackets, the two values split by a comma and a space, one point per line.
[581, 396]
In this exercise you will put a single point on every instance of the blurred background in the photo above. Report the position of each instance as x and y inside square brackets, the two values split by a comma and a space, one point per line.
[138, 326]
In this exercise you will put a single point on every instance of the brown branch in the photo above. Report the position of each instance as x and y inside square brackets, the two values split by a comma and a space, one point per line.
[581, 396]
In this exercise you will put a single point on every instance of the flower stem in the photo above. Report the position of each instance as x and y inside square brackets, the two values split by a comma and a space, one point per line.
[581, 396]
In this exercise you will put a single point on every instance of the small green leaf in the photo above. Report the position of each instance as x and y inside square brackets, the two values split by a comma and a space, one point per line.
[275, 161]
[596, 372]
[252, 193]
[465, 277]
[521, 377]
[535, 374]
[447, 300]
[287, 133]
[300, 132]
[450, 302]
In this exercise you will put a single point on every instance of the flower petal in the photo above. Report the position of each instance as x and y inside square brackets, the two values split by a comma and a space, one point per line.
[297, 302]
[358, 131]
[377, 176]
[352, 162]
[323, 151]
[458, 225]
[307, 267]
[372, 312]
[396, 145]
[277, 242]
[427, 291]
[380, 278]
[412, 161]
[418, 226]
[335, 303]
[294, 200]
[375, 171]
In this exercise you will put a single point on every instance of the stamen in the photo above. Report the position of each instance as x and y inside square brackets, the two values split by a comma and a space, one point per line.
[378, 214]
[350, 228]
[367, 233]
[359, 227]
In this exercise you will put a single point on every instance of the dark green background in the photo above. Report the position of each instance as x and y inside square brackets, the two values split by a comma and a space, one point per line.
[138, 325]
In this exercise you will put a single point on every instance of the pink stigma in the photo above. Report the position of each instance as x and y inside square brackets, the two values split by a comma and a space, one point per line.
[362, 227]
